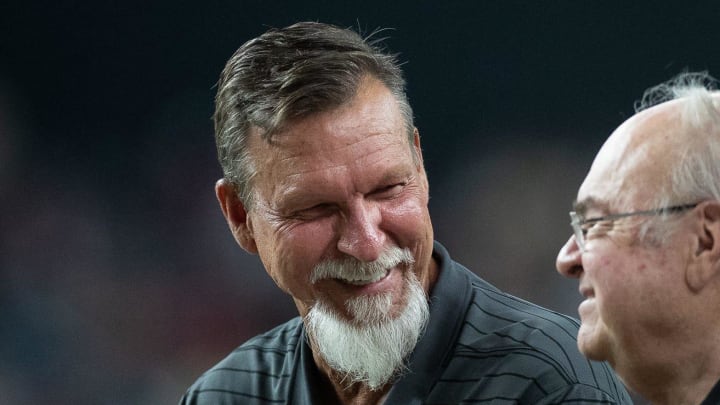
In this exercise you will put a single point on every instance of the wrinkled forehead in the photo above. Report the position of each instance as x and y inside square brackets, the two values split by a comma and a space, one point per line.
[632, 167]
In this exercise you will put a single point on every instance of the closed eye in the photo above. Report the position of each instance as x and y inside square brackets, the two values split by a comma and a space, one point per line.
[316, 211]
[389, 191]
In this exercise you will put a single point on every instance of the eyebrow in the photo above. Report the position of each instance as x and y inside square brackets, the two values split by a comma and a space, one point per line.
[582, 206]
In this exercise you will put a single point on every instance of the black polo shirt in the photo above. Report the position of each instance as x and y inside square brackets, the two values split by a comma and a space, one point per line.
[481, 346]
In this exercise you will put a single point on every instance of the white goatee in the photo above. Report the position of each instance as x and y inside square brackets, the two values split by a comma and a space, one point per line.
[373, 346]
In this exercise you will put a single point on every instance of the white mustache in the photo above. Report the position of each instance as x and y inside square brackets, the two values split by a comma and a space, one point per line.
[355, 271]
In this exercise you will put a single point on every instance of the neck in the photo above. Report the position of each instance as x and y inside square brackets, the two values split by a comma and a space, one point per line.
[659, 394]
[686, 383]
[676, 361]
[347, 394]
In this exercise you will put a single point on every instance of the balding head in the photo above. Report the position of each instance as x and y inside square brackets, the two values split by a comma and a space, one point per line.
[666, 154]
[633, 165]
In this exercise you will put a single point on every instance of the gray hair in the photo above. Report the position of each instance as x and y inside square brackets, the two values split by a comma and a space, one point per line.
[695, 174]
[288, 74]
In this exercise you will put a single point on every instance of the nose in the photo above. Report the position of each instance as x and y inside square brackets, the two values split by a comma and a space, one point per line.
[361, 236]
[568, 262]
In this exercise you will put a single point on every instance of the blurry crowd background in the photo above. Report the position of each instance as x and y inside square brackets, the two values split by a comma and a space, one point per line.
[119, 282]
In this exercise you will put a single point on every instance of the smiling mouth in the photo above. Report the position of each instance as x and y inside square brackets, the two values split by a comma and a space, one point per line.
[371, 278]
[587, 292]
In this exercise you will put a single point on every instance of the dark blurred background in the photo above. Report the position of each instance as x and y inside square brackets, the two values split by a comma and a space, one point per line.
[119, 281]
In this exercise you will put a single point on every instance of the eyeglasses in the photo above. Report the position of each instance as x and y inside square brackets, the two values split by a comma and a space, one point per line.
[580, 228]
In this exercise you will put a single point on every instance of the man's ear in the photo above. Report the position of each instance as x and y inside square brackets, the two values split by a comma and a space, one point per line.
[706, 265]
[237, 217]
[418, 154]
[416, 146]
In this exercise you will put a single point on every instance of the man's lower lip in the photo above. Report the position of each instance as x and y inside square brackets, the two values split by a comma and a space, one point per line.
[586, 304]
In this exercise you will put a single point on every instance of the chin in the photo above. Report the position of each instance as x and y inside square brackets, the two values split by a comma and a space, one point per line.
[592, 346]
[588, 352]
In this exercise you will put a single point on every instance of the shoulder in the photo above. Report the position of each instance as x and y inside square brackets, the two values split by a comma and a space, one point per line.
[492, 311]
[255, 372]
[518, 343]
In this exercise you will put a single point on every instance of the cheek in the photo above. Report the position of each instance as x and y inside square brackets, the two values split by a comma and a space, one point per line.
[309, 239]
[609, 278]
[621, 285]
[407, 220]
[290, 254]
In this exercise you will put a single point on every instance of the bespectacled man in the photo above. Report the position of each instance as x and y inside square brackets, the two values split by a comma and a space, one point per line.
[646, 246]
